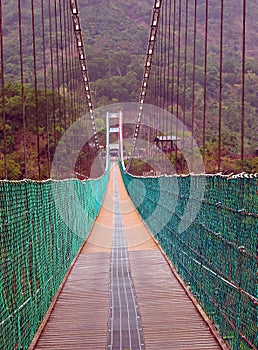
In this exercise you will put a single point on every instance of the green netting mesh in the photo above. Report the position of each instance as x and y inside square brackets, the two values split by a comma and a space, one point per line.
[217, 252]
[43, 224]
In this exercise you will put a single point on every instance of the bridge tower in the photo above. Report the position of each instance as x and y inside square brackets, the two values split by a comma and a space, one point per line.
[114, 122]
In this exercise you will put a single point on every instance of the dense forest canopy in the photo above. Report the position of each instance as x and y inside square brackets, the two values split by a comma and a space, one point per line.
[116, 35]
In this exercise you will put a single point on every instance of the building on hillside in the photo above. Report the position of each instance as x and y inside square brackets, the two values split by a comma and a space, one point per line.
[167, 143]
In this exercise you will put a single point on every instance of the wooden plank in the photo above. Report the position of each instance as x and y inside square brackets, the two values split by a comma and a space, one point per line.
[170, 319]
[79, 318]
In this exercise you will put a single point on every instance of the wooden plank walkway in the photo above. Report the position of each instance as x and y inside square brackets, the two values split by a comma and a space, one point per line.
[121, 292]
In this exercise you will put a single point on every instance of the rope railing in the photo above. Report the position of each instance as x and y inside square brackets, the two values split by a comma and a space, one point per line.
[40, 236]
[214, 250]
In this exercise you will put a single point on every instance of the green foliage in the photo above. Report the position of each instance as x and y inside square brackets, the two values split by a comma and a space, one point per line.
[14, 171]
[140, 167]
[22, 126]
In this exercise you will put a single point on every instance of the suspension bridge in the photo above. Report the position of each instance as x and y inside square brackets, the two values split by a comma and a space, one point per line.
[119, 230]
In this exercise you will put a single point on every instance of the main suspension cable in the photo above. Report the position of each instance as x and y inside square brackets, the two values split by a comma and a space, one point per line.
[146, 74]
[83, 66]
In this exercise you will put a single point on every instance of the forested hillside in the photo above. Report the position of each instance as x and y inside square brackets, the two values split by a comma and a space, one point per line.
[115, 35]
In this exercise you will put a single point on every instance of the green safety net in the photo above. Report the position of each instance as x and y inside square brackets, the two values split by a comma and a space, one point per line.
[211, 239]
[43, 225]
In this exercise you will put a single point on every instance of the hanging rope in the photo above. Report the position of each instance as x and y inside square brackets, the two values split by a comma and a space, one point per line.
[205, 80]
[57, 64]
[65, 16]
[3, 91]
[63, 92]
[52, 72]
[178, 71]
[243, 87]
[35, 86]
[220, 83]
[185, 73]
[173, 58]
[22, 90]
[193, 79]
[45, 88]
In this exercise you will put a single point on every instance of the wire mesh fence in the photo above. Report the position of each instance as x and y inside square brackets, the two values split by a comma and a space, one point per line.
[40, 237]
[216, 251]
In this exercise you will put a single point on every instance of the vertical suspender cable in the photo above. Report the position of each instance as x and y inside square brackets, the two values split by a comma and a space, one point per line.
[163, 44]
[155, 92]
[166, 76]
[205, 81]
[166, 50]
[35, 86]
[78, 90]
[193, 78]
[68, 59]
[173, 58]
[22, 92]
[57, 68]
[45, 85]
[185, 69]
[3, 91]
[62, 62]
[71, 65]
[160, 73]
[76, 96]
[220, 82]
[70, 72]
[52, 72]
[164, 57]
[73, 78]
[243, 87]
[156, 88]
[169, 12]
[66, 28]
[156, 82]
[178, 69]
[159, 64]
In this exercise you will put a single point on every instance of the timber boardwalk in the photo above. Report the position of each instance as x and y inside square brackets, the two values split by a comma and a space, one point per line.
[121, 292]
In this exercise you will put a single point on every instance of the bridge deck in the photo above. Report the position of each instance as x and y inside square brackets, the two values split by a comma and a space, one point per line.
[121, 292]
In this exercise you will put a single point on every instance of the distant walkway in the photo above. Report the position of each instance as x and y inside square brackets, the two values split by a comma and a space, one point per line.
[121, 293]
